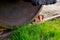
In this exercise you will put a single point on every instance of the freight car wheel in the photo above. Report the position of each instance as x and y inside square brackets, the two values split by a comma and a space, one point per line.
[17, 13]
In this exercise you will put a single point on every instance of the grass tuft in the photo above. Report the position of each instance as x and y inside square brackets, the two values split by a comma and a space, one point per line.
[49, 30]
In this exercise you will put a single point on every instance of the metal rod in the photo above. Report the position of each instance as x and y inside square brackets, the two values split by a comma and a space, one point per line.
[45, 19]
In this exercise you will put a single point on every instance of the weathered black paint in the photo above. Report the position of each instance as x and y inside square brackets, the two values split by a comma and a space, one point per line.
[41, 2]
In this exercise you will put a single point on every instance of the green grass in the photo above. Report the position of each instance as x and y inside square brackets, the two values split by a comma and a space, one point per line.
[49, 30]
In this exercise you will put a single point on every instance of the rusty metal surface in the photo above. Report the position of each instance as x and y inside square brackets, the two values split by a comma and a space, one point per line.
[4, 33]
[17, 13]
[5, 36]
